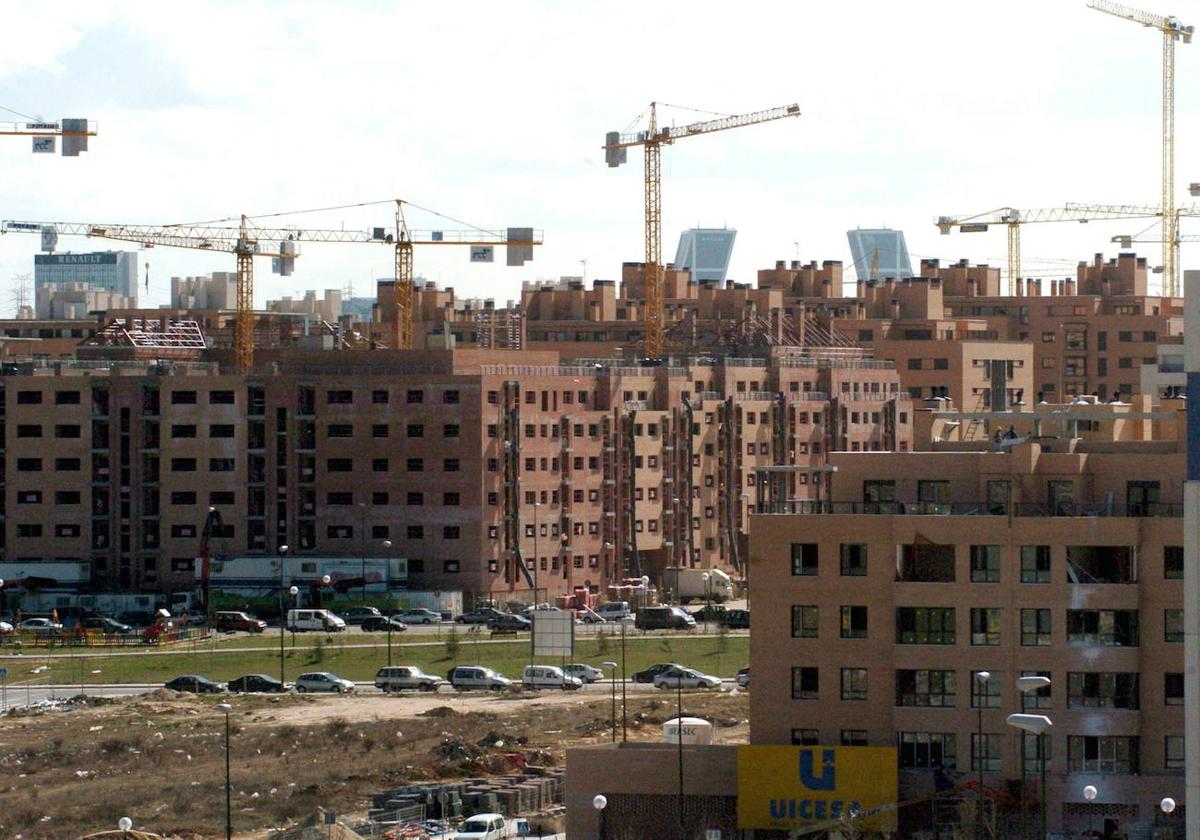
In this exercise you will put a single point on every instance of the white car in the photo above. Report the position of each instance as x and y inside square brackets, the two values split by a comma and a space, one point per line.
[323, 681]
[5, 628]
[420, 615]
[402, 677]
[40, 625]
[585, 672]
[685, 678]
[549, 676]
[483, 827]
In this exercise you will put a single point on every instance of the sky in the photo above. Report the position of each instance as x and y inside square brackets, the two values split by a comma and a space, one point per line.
[494, 115]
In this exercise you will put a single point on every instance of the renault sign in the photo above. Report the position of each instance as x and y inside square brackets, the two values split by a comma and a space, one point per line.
[784, 787]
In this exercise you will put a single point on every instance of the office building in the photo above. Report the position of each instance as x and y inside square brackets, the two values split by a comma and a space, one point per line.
[879, 254]
[110, 271]
[706, 252]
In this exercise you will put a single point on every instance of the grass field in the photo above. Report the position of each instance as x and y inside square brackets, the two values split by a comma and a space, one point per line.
[316, 652]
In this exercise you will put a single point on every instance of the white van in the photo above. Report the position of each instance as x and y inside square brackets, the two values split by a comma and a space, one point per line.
[549, 676]
[483, 827]
[613, 610]
[321, 620]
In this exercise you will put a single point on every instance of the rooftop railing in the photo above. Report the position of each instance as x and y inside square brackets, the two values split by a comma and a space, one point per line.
[1017, 509]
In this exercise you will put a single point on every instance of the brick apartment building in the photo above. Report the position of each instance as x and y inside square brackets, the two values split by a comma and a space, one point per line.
[877, 608]
[463, 460]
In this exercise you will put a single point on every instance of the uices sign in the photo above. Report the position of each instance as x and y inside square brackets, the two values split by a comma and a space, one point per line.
[785, 787]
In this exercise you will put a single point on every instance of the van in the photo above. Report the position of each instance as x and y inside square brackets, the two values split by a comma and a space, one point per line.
[663, 618]
[231, 620]
[613, 610]
[483, 827]
[549, 676]
[467, 677]
[321, 620]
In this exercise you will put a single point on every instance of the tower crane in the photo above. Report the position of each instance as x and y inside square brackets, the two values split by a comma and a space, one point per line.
[1013, 219]
[75, 134]
[653, 139]
[247, 241]
[1172, 30]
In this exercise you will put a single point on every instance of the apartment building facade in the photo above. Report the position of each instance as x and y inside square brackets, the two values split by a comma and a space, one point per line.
[879, 607]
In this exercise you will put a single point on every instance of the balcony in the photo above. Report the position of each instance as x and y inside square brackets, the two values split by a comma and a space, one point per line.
[1100, 509]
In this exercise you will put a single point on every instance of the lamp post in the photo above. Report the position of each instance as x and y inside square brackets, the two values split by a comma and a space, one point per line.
[612, 677]
[1038, 725]
[1089, 793]
[226, 708]
[624, 679]
[283, 550]
[600, 802]
[707, 600]
[1027, 685]
[124, 824]
[294, 592]
[981, 678]
[387, 545]
[536, 559]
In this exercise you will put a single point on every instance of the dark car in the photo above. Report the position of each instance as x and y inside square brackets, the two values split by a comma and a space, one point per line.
[195, 684]
[381, 624]
[356, 615]
[663, 618]
[229, 621]
[481, 616]
[653, 671]
[509, 622]
[137, 618]
[258, 683]
[737, 619]
[105, 624]
[712, 612]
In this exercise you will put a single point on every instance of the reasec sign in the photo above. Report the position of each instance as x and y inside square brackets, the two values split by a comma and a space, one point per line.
[782, 787]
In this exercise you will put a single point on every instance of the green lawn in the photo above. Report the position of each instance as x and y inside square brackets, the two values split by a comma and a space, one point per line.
[312, 652]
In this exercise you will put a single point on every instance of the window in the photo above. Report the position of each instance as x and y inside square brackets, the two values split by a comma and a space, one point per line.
[415, 532]
[340, 498]
[1102, 628]
[379, 497]
[221, 464]
[804, 622]
[1173, 760]
[66, 398]
[1103, 754]
[29, 465]
[66, 531]
[1035, 564]
[66, 497]
[927, 750]
[414, 498]
[450, 532]
[854, 683]
[985, 564]
[183, 465]
[854, 559]
[183, 398]
[379, 397]
[29, 497]
[854, 622]
[450, 465]
[220, 430]
[414, 430]
[1173, 688]
[804, 559]
[220, 397]
[1173, 562]
[926, 688]
[66, 430]
[67, 464]
[339, 532]
[1101, 564]
[1035, 627]
[183, 430]
[450, 397]
[1102, 690]
[933, 496]
[450, 567]
[985, 753]
[340, 397]
[985, 626]
[379, 465]
[450, 430]
[1039, 698]
[985, 693]
[379, 430]
[183, 497]
[221, 497]
[29, 530]
[1173, 626]
[806, 684]
[415, 395]
[854, 737]
[415, 465]
[925, 625]
[806, 737]
[926, 563]
[339, 465]
[450, 499]
[340, 430]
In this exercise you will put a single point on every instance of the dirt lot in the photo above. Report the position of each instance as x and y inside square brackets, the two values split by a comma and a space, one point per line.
[159, 758]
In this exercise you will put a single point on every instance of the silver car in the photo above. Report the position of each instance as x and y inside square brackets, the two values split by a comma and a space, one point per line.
[685, 678]
[323, 681]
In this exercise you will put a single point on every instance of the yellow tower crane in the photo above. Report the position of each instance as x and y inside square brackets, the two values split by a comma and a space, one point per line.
[653, 139]
[1013, 219]
[1172, 30]
[74, 132]
[247, 241]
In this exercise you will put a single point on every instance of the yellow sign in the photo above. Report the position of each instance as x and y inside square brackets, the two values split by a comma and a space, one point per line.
[782, 787]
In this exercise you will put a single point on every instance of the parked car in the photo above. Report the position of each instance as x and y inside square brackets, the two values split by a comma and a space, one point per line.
[685, 678]
[40, 626]
[356, 615]
[5, 628]
[195, 684]
[737, 619]
[480, 616]
[585, 672]
[613, 610]
[420, 615]
[648, 675]
[710, 612]
[137, 618]
[300, 620]
[105, 624]
[743, 677]
[591, 616]
[506, 622]
[483, 827]
[383, 623]
[467, 677]
[322, 681]
[664, 618]
[402, 677]
[258, 683]
[228, 621]
[549, 676]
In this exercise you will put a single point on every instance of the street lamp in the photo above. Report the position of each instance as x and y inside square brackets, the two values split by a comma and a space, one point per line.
[600, 802]
[612, 678]
[1038, 725]
[1028, 685]
[981, 678]
[226, 708]
[283, 550]
[124, 824]
[1089, 793]
[294, 591]
[1167, 805]
[707, 600]
[387, 546]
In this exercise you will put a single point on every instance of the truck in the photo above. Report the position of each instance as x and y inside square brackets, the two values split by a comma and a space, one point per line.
[689, 584]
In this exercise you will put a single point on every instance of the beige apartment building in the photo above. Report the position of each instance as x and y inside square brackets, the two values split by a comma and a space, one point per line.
[877, 608]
